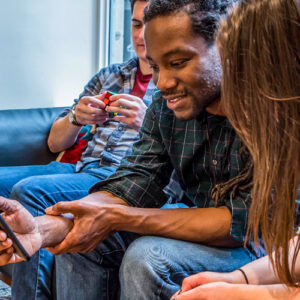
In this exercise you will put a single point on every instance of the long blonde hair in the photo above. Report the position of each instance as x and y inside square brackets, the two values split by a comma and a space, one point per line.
[260, 52]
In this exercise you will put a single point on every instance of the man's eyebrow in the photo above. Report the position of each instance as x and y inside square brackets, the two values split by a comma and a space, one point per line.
[174, 51]
[171, 52]
[135, 20]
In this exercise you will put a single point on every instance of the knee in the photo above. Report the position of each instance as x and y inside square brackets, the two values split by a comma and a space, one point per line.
[27, 191]
[20, 189]
[144, 260]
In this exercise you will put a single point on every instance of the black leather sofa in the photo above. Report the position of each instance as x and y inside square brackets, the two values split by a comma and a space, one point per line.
[23, 136]
[23, 140]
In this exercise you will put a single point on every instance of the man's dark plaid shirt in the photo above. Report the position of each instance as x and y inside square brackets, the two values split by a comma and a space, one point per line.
[168, 143]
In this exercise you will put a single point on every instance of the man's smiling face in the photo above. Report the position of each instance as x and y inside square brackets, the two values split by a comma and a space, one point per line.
[186, 68]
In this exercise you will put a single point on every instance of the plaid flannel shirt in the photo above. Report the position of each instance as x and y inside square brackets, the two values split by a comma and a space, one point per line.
[113, 140]
[197, 149]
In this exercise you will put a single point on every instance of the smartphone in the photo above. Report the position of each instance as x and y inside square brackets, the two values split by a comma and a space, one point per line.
[18, 247]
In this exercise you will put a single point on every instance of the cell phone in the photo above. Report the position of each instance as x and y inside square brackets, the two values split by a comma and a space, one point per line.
[18, 247]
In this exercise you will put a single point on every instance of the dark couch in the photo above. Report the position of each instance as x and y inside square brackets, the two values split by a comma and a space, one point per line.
[23, 136]
[23, 140]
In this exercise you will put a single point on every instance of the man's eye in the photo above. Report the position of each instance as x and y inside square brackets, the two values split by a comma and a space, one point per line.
[154, 67]
[178, 63]
[137, 25]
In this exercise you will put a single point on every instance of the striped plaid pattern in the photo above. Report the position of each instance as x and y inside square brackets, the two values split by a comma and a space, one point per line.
[168, 143]
[113, 140]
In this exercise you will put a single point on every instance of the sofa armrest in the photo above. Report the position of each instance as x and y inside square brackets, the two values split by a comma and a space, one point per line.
[23, 136]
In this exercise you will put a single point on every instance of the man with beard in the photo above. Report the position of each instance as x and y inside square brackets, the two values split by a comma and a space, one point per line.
[181, 130]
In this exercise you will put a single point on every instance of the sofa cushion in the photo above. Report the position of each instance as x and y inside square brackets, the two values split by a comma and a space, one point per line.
[23, 136]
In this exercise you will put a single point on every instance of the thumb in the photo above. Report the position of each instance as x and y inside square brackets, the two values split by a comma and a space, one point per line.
[8, 206]
[64, 207]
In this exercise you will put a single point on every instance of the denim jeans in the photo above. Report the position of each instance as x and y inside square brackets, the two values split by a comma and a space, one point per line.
[146, 267]
[38, 187]
[150, 268]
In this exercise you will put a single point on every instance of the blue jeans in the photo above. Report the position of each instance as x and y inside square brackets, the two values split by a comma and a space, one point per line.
[147, 267]
[38, 187]
[150, 268]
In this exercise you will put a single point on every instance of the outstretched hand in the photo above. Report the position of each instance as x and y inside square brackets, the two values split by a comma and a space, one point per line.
[24, 226]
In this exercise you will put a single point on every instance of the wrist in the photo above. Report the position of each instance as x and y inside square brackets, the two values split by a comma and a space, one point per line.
[72, 116]
[52, 229]
[120, 218]
[237, 277]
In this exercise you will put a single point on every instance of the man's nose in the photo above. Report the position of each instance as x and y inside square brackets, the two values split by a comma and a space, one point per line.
[166, 81]
[141, 33]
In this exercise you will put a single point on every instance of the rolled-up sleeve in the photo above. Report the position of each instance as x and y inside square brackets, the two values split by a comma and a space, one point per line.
[239, 208]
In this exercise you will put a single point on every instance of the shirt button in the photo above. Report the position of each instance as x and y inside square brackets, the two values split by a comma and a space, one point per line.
[108, 149]
[120, 128]
[214, 162]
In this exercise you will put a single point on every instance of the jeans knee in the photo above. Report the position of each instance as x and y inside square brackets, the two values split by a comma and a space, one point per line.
[20, 189]
[145, 270]
[28, 193]
[145, 260]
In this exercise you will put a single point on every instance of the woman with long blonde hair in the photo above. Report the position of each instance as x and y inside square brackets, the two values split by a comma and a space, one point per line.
[259, 47]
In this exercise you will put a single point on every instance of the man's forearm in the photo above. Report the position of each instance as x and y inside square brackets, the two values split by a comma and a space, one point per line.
[53, 229]
[210, 226]
[207, 225]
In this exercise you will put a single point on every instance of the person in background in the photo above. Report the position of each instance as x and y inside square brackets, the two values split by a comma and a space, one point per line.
[38, 187]
[260, 52]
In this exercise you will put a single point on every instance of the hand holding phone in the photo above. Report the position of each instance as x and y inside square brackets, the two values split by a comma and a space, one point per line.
[18, 247]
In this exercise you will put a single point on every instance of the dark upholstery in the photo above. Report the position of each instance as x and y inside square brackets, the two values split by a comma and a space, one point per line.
[23, 140]
[23, 136]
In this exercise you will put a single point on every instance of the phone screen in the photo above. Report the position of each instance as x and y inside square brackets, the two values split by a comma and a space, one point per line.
[18, 247]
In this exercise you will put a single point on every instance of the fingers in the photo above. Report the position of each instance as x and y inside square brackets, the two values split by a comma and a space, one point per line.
[202, 278]
[194, 294]
[9, 258]
[63, 247]
[90, 110]
[125, 97]
[5, 242]
[191, 282]
[128, 101]
[124, 111]
[7, 254]
[3, 236]
[72, 244]
[9, 206]
[174, 297]
[73, 207]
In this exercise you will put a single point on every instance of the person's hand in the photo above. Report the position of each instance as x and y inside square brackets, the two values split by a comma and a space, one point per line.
[201, 278]
[90, 110]
[25, 228]
[92, 224]
[212, 291]
[131, 108]
[210, 285]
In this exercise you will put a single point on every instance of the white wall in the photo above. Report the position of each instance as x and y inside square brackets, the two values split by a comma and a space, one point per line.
[48, 51]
